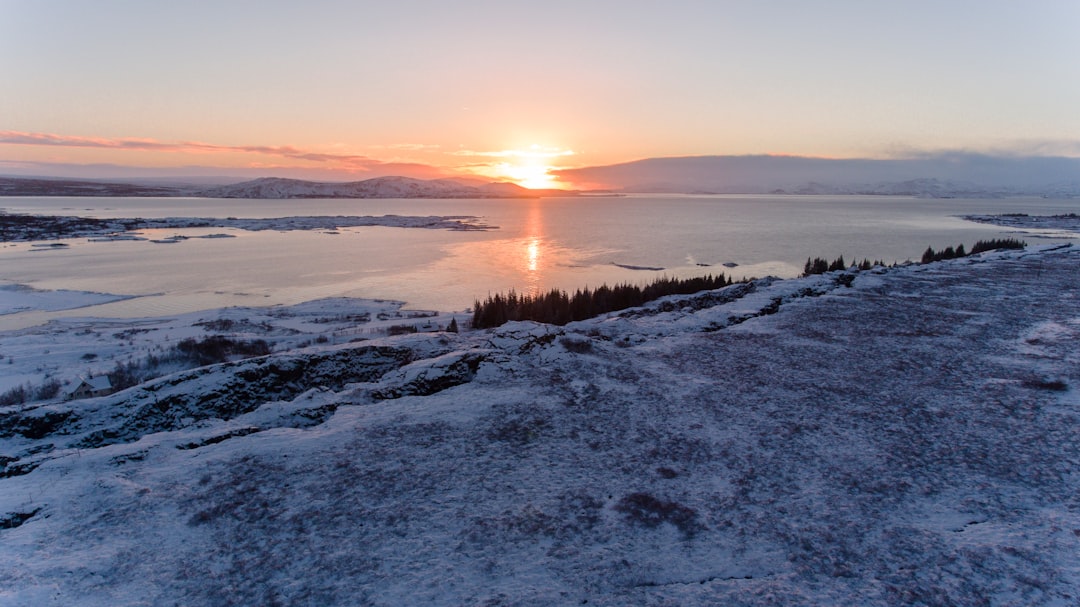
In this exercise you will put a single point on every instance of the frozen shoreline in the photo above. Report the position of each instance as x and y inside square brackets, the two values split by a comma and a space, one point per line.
[1038, 226]
[31, 228]
[908, 436]
[15, 298]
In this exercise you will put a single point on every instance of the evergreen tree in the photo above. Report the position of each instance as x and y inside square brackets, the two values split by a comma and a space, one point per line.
[558, 307]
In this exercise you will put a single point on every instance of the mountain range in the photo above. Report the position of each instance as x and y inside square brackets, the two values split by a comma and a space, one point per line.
[379, 187]
[949, 175]
[276, 188]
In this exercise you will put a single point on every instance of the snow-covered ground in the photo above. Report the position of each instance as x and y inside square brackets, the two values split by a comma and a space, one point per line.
[906, 436]
[71, 348]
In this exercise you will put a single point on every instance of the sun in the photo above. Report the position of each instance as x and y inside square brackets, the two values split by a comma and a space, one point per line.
[530, 167]
[529, 175]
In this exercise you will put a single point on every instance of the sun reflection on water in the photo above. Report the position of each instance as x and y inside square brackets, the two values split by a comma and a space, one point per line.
[533, 254]
[534, 248]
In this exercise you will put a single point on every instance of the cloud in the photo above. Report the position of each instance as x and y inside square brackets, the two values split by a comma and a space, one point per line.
[353, 162]
[251, 170]
[1040, 147]
[1012, 148]
[412, 147]
[532, 152]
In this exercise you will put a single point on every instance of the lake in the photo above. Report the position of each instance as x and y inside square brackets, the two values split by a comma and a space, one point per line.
[540, 244]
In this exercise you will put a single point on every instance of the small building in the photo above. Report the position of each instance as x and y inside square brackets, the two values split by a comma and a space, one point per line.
[91, 386]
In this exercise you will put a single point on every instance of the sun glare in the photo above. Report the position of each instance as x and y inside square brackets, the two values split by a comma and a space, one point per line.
[532, 176]
[529, 168]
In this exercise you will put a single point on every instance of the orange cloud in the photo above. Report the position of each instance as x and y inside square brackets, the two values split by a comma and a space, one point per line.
[352, 162]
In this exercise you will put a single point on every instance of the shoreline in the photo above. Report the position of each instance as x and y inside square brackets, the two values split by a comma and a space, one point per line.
[35, 228]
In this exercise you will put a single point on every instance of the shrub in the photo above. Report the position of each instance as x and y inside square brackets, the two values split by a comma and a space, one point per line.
[218, 349]
[644, 509]
[400, 329]
[49, 389]
[221, 324]
[576, 345]
[14, 396]
[28, 393]
[186, 354]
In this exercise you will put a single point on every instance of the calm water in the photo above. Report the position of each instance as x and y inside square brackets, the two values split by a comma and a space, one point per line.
[540, 244]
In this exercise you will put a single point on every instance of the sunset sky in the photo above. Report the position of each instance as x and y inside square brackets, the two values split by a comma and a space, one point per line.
[506, 89]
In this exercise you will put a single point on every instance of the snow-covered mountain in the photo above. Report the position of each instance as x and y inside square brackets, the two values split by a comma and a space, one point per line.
[901, 436]
[379, 187]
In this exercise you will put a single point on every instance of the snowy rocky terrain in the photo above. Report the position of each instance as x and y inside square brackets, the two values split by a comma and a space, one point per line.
[68, 349]
[902, 436]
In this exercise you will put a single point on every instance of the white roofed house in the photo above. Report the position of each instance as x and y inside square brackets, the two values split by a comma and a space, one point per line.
[91, 386]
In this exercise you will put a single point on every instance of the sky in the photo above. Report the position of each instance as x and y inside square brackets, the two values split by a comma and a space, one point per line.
[509, 90]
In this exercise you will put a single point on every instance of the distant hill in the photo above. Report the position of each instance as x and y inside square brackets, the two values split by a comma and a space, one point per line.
[274, 187]
[43, 186]
[380, 187]
[932, 176]
[953, 175]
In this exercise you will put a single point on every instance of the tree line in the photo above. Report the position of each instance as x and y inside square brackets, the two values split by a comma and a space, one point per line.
[930, 255]
[818, 265]
[558, 307]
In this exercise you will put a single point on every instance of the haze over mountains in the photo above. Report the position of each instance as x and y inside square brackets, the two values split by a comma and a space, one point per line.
[939, 175]
[380, 187]
[272, 188]
[953, 175]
